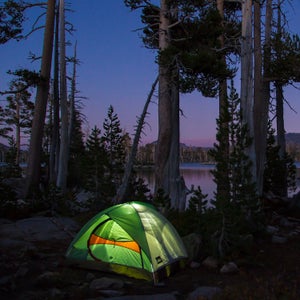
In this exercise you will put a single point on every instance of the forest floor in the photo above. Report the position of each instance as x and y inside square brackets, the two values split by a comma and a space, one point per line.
[268, 271]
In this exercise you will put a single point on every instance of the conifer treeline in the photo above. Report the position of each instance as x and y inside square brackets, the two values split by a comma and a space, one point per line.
[195, 154]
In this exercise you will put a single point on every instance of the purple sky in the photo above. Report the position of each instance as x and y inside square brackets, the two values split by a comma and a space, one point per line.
[117, 69]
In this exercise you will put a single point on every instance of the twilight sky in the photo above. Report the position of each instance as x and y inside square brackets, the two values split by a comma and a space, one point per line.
[117, 69]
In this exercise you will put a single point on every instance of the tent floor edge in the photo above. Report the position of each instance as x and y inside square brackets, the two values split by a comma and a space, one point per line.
[169, 270]
[111, 268]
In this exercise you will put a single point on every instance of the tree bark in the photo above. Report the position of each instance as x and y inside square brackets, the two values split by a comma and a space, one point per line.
[223, 189]
[247, 78]
[64, 146]
[132, 156]
[280, 120]
[261, 89]
[279, 99]
[263, 114]
[18, 129]
[35, 148]
[281, 142]
[167, 175]
[54, 146]
[72, 98]
[174, 181]
[258, 113]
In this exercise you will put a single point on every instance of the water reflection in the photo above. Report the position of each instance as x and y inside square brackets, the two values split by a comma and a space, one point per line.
[194, 174]
[197, 174]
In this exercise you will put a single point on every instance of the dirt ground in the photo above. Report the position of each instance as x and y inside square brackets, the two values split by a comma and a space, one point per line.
[272, 271]
[268, 271]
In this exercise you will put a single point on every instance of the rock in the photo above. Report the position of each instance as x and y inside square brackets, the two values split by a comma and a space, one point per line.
[5, 221]
[17, 184]
[204, 292]
[56, 294]
[229, 268]
[286, 223]
[277, 239]
[33, 295]
[271, 229]
[112, 293]
[90, 277]
[106, 283]
[47, 228]
[293, 233]
[194, 265]
[159, 284]
[166, 296]
[12, 231]
[210, 262]
[5, 281]
[48, 279]
[16, 246]
[19, 236]
[295, 201]
[22, 271]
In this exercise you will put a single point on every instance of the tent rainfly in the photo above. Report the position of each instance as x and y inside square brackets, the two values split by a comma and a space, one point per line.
[133, 239]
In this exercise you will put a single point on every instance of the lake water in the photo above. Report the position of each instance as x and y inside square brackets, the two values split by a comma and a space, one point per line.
[197, 174]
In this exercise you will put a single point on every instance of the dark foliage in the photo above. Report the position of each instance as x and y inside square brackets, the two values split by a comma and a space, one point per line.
[194, 46]
[280, 173]
[77, 152]
[237, 211]
[11, 20]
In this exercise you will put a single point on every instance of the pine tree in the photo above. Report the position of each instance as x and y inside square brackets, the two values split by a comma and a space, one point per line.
[13, 169]
[239, 213]
[4, 128]
[196, 210]
[280, 173]
[77, 152]
[186, 33]
[94, 162]
[113, 141]
[19, 113]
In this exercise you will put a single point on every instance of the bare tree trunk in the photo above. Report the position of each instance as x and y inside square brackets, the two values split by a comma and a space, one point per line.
[264, 118]
[54, 146]
[259, 111]
[72, 98]
[281, 142]
[63, 154]
[167, 175]
[280, 120]
[247, 78]
[18, 129]
[132, 156]
[175, 182]
[164, 106]
[35, 148]
[261, 117]
[279, 98]
[223, 188]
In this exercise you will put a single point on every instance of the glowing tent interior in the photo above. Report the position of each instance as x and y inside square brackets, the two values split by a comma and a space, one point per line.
[133, 239]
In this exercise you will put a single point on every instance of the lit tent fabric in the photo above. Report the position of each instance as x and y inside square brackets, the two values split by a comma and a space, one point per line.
[133, 239]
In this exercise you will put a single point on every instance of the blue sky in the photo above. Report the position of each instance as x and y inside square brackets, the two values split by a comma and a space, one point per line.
[116, 69]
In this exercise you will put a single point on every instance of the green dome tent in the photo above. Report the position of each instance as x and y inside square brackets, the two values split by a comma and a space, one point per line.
[130, 238]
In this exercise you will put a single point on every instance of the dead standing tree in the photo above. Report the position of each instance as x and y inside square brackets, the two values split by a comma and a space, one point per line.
[247, 101]
[121, 193]
[35, 148]
[61, 181]
[167, 174]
